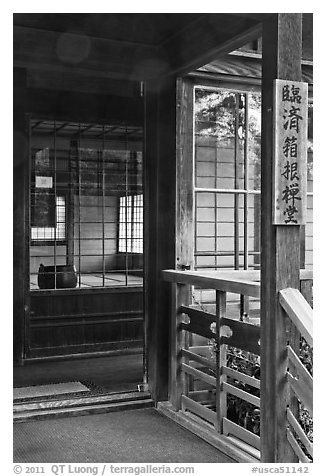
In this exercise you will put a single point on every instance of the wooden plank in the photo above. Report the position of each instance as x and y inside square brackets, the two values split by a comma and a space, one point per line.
[299, 311]
[75, 402]
[84, 83]
[83, 107]
[178, 341]
[299, 431]
[245, 336]
[160, 207]
[284, 160]
[205, 397]
[222, 278]
[237, 392]
[280, 245]
[185, 174]
[183, 212]
[198, 374]
[302, 373]
[21, 305]
[221, 360]
[213, 280]
[150, 206]
[306, 286]
[62, 52]
[203, 429]
[247, 436]
[198, 409]
[81, 410]
[296, 447]
[211, 35]
[91, 321]
[200, 322]
[198, 358]
[203, 350]
[254, 382]
[302, 390]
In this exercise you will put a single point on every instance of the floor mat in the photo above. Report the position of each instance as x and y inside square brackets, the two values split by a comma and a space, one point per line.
[47, 390]
[137, 436]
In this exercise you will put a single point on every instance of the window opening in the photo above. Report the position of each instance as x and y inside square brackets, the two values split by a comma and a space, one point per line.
[131, 224]
[82, 176]
[227, 178]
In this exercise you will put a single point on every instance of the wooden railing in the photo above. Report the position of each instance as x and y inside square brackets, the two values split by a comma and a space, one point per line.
[202, 376]
[299, 379]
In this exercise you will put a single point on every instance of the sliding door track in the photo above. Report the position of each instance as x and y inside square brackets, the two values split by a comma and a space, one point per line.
[85, 405]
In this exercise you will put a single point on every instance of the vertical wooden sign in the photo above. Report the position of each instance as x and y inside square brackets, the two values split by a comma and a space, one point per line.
[290, 152]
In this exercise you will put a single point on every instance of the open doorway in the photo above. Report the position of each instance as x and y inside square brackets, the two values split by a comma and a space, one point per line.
[85, 218]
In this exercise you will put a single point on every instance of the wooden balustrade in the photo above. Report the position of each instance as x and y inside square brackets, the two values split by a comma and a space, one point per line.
[299, 379]
[201, 379]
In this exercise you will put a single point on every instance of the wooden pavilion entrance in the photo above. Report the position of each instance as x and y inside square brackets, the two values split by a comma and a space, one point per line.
[101, 65]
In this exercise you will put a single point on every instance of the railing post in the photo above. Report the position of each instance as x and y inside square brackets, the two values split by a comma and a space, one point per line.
[221, 397]
[178, 340]
[280, 244]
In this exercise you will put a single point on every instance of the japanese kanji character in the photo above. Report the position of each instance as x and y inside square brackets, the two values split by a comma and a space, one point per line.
[291, 95]
[293, 119]
[290, 171]
[290, 147]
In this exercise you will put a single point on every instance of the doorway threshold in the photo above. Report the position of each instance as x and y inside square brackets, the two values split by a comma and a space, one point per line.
[36, 409]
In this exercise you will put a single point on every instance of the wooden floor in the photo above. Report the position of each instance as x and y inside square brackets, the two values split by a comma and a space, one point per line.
[91, 280]
[135, 436]
[100, 374]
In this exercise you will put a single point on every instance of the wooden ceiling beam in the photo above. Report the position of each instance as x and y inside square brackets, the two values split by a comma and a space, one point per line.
[208, 37]
[214, 35]
[67, 52]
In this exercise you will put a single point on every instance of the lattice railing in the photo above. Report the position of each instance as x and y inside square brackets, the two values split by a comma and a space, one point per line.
[299, 379]
[204, 376]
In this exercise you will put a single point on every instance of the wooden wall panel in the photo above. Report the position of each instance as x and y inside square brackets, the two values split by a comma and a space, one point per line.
[97, 319]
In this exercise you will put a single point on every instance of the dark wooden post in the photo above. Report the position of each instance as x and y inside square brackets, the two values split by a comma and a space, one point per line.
[282, 44]
[20, 219]
[160, 229]
[168, 214]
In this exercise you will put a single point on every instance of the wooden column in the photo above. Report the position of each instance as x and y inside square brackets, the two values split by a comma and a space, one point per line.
[20, 220]
[168, 213]
[160, 232]
[184, 223]
[282, 43]
[221, 360]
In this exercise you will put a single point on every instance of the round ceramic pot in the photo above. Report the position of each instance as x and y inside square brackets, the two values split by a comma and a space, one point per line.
[57, 277]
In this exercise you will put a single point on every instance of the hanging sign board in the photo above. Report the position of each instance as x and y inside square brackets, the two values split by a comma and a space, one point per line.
[43, 182]
[290, 152]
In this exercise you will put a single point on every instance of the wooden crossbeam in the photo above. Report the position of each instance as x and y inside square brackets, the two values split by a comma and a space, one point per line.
[254, 382]
[296, 447]
[200, 322]
[199, 358]
[237, 392]
[302, 383]
[245, 336]
[200, 410]
[229, 427]
[198, 374]
[299, 431]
